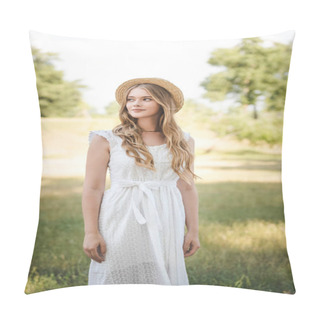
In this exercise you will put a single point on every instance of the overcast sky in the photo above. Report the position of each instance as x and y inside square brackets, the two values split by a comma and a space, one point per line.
[103, 64]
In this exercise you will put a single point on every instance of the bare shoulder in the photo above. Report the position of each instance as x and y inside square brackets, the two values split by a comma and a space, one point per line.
[99, 142]
[99, 151]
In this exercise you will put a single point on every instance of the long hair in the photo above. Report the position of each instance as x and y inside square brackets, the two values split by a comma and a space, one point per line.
[131, 134]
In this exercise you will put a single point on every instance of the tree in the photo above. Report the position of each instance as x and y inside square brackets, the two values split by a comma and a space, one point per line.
[112, 109]
[57, 97]
[250, 71]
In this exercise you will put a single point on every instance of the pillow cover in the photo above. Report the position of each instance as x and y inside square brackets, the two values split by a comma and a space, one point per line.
[234, 96]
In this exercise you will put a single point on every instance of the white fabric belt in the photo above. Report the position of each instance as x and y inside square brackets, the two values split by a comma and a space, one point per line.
[151, 215]
[137, 197]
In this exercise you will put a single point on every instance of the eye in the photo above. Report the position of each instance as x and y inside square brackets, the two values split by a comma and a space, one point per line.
[147, 99]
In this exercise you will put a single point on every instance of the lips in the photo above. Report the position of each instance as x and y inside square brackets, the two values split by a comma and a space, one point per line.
[137, 110]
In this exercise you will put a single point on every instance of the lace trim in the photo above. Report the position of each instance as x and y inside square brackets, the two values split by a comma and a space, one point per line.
[107, 134]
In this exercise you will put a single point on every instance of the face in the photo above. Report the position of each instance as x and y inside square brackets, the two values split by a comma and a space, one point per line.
[140, 104]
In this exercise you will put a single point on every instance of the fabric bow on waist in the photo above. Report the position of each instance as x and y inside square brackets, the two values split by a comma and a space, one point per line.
[151, 215]
[144, 187]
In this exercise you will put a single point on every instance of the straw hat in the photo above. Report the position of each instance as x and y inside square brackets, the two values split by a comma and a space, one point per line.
[175, 91]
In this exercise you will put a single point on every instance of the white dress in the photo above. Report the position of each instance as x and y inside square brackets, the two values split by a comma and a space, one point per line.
[142, 220]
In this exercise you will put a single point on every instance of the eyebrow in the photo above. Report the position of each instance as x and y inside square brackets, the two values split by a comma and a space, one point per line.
[141, 97]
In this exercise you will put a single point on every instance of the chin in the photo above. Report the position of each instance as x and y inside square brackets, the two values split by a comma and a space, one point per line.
[137, 115]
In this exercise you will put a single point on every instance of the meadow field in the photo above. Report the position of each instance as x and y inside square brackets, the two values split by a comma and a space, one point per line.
[241, 212]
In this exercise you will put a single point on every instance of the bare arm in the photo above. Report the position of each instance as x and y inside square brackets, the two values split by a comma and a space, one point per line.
[191, 202]
[93, 189]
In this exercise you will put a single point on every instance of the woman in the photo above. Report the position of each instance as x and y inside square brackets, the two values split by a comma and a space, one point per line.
[134, 231]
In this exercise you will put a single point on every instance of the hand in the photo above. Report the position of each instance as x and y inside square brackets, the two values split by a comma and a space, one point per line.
[191, 243]
[94, 246]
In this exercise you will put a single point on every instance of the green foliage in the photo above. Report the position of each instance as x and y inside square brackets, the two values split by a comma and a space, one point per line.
[112, 110]
[194, 114]
[237, 123]
[249, 71]
[57, 97]
[39, 282]
[267, 128]
[274, 87]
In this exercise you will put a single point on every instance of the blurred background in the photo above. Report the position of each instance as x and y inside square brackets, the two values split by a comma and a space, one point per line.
[234, 102]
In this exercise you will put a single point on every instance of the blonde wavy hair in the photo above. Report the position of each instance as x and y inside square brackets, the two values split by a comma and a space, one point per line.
[131, 134]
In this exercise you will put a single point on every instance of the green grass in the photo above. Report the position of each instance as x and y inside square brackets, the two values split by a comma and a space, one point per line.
[242, 238]
[241, 222]
[58, 259]
[241, 233]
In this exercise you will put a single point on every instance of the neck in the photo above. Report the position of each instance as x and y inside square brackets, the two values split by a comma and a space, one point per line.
[149, 126]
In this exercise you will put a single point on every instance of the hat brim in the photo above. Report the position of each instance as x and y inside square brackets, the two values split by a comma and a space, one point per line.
[176, 93]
